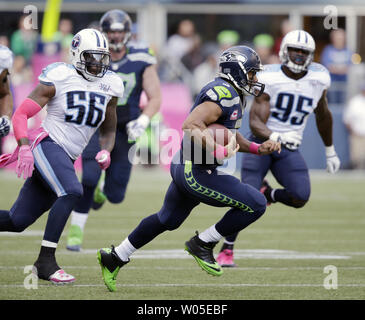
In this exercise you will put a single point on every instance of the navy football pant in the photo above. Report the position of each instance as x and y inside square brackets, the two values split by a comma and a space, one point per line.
[116, 176]
[288, 168]
[53, 185]
[193, 185]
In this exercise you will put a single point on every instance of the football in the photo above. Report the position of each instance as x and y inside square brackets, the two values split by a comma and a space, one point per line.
[220, 133]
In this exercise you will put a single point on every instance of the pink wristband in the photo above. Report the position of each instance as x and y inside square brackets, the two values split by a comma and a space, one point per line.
[26, 110]
[220, 152]
[254, 148]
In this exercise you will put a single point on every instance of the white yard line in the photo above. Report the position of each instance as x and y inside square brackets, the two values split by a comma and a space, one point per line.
[200, 285]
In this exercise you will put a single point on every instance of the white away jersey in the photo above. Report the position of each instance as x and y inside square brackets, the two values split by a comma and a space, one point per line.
[6, 58]
[292, 101]
[78, 108]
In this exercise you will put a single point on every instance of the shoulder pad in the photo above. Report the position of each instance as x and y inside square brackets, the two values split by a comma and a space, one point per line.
[115, 82]
[6, 58]
[321, 73]
[57, 71]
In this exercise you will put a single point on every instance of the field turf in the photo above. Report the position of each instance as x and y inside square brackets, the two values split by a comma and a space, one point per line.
[283, 255]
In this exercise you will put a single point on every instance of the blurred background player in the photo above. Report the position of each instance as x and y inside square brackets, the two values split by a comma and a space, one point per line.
[136, 67]
[293, 90]
[194, 170]
[53, 185]
[6, 99]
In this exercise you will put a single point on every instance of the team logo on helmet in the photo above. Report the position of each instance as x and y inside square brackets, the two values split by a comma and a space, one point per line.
[233, 56]
[76, 41]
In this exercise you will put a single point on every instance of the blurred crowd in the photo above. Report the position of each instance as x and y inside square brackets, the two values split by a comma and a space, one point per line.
[186, 59]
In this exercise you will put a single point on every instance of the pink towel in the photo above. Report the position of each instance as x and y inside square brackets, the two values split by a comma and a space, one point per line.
[35, 136]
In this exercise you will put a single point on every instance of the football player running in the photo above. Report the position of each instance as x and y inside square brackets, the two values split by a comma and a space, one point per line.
[6, 99]
[136, 66]
[80, 97]
[195, 178]
[293, 90]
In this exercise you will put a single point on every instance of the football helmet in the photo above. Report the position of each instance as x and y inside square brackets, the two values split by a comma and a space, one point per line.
[89, 54]
[116, 20]
[297, 39]
[234, 65]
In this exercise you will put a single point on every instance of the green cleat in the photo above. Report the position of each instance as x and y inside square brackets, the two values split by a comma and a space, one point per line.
[202, 252]
[74, 238]
[110, 264]
[99, 199]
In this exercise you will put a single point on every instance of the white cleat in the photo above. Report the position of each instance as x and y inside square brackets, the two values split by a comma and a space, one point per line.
[61, 277]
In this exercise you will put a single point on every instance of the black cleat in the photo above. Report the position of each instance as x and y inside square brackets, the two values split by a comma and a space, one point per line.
[202, 252]
[266, 191]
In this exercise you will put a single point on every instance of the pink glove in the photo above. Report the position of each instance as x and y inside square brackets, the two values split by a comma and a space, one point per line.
[103, 159]
[25, 163]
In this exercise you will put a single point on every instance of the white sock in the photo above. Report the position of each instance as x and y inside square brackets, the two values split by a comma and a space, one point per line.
[124, 250]
[272, 194]
[48, 244]
[210, 235]
[228, 242]
[79, 219]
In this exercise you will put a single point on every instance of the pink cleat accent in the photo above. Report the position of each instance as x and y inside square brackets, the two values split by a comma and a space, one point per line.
[225, 259]
[61, 277]
[265, 185]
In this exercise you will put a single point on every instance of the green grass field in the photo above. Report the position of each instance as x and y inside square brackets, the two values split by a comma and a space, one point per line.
[281, 256]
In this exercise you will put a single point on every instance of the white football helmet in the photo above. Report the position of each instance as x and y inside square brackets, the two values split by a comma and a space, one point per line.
[298, 39]
[89, 54]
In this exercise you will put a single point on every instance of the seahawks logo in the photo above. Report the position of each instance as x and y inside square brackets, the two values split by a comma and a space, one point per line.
[76, 42]
[233, 56]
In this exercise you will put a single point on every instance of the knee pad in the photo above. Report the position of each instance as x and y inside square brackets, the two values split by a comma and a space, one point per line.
[75, 190]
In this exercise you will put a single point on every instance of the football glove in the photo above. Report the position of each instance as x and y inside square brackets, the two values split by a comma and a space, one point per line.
[290, 140]
[136, 128]
[333, 161]
[4, 126]
[25, 162]
[103, 159]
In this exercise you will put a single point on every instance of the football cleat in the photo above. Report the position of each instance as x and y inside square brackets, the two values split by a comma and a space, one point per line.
[99, 199]
[202, 252]
[225, 259]
[61, 277]
[48, 269]
[74, 238]
[110, 264]
[266, 191]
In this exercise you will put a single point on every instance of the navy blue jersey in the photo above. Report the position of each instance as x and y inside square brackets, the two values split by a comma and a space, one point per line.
[131, 68]
[227, 98]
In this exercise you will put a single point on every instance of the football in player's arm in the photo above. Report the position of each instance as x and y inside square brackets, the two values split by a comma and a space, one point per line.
[195, 178]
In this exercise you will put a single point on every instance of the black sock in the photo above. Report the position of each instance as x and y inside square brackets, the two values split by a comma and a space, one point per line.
[46, 263]
[227, 246]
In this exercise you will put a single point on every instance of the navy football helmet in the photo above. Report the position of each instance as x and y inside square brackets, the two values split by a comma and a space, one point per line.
[116, 20]
[234, 65]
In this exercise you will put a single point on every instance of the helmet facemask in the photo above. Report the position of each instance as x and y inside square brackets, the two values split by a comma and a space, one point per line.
[93, 64]
[116, 40]
[240, 77]
[295, 61]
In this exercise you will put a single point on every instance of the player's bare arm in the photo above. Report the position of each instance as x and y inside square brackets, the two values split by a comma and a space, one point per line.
[108, 127]
[151, 86]
[6, 100]
[195, 125]
[324, 120]
[259, 113]
[266, 147]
